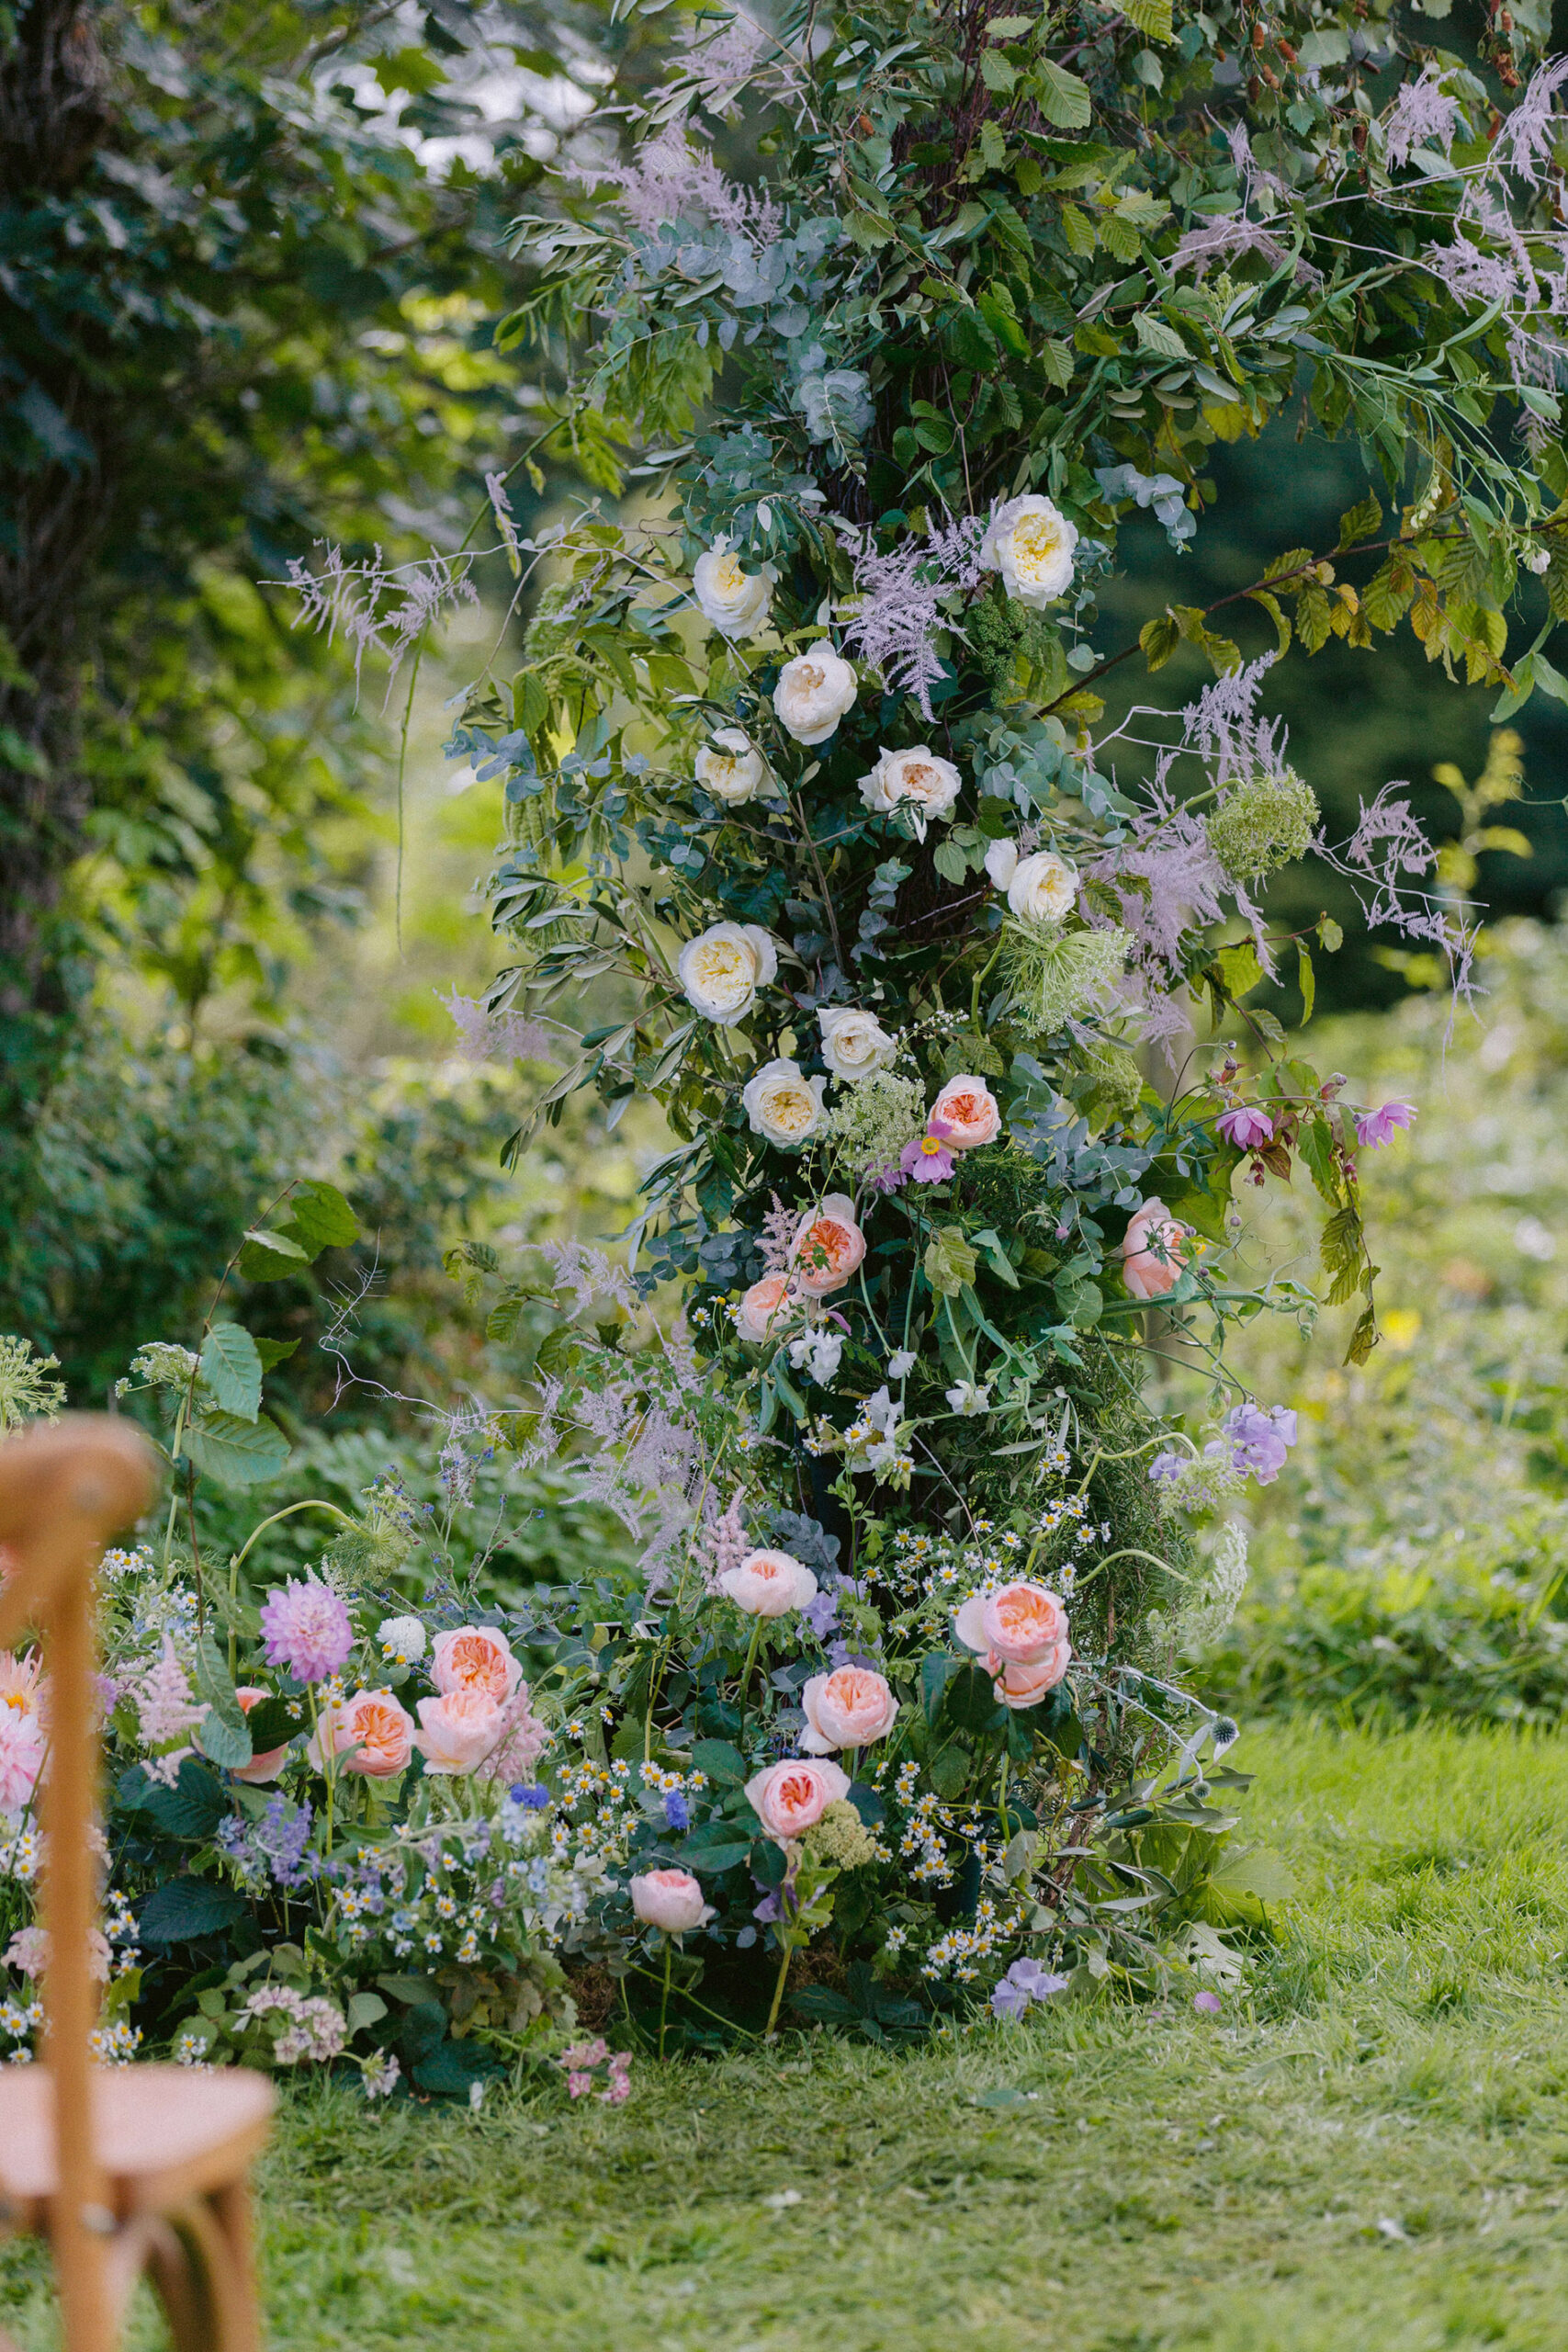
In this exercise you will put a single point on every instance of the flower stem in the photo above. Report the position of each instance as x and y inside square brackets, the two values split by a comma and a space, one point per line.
[778, 1991]
[664, 2000]
[746, 1669]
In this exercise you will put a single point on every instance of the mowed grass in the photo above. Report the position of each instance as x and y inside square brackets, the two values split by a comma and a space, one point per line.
[1369, 2149]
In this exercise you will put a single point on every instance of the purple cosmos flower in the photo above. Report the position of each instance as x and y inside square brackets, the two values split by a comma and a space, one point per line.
[1247, 1126]
[928, 1159]
[306, 1629]
[1374, 1128]
[1259, 1441]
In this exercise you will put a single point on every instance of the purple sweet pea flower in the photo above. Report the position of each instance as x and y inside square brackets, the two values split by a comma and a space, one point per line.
[1167, 1468]
[1247, 1126]
[928, 1159]
[1374, 1128]
[1259, 1441]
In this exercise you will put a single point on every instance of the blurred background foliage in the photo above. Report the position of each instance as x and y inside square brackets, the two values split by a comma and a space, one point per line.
[254, 271]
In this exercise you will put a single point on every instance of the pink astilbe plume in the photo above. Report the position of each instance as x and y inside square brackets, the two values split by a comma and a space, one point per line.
[376, 610]
[671, 176]
[520, 1744]
[487, 1036]
[776, 1238]
[166, 1706]
[1531, 128]
[900, 599]
[1422, 115]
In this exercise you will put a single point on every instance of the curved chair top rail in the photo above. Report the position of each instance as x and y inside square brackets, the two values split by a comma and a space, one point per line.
[65, 1487]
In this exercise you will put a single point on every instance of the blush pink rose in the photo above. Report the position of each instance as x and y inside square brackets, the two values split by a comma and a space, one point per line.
[761, 1307]
[372, 1723]
[788, 1798]
[1022, 1623]
[670, 1899]
[458, 1730]
[1151, 1255]
[969, 1112]
[829, 1246]
[1025, 1686]
[768, 1584]
[270, 1762]
[848, 1708]
[474, 1658]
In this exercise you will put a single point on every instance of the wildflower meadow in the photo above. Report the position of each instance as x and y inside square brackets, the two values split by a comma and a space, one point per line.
[845, 1280]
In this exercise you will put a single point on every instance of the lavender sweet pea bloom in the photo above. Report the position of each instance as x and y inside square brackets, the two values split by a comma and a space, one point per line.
[1259, 1441]
[1374, 1128]
[1247, 1126]
[1167, 1468]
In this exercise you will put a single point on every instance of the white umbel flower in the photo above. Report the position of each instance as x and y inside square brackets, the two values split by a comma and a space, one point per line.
[730, 767]
[1030, 543]
[734, 601]
[724, 967]
[813, 693]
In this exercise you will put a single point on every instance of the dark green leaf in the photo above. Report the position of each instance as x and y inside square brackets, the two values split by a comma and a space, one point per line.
[232, 1368]
[236, 1453]
[720, 1761]
[182, 1908]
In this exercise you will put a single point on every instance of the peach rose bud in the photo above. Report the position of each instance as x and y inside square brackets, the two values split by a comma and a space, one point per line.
[475, 1658]
[848, 1708]
[670, 1899]
[788, 1798]
[969, 1112]
[270, 1762]
[1151, 1255]
[828, 1247]
[458, 1730]
[763, 1308]
[769, 1584]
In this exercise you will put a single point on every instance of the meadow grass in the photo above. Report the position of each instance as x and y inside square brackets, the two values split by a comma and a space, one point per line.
[1369, 2148]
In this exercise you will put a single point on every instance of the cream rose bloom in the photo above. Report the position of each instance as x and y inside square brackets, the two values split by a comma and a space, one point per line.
[854, 1044]
[813, 692]
[672, 1900]
[763, 1308]
[768, 1584]
[724, 967]
[917, 780]
[783, 1107]
[730, 767]
[1030, 543]
[735, 601]
[1042, 888]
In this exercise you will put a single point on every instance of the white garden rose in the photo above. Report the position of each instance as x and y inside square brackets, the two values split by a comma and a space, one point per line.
[1001, 863]
[916, 779]
[813, 692]
[783, 1107]
[730, 767]
[724, 967]
[1043, 887]
[854, 1042]
[1030, 543]
[735, 601]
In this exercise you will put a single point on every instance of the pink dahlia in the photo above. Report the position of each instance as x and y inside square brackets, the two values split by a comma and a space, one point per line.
[306, 1629]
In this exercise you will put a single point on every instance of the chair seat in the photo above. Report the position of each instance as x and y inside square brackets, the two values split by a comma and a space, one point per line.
[163, 2134]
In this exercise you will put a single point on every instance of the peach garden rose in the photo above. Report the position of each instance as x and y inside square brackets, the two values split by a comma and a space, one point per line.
[475, 1657]
[790, 1798]
[848, 1708]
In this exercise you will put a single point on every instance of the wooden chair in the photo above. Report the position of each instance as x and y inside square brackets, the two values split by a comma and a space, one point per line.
[128, 2170]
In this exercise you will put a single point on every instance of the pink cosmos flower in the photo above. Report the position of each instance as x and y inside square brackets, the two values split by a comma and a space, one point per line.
[458, 1730]
[930, 1158]
[672, 1900]
[373, 1724]
[306, 1629]
[768, 1584]
[21, 1758]
[969, 1112]
[474, 1658]
[761, 1308]
[1151, 1253]
[789, 1797]
[829, 1246]
[848, 1708]
[1374, 1128]
[1247, 1126]
[270, 1762]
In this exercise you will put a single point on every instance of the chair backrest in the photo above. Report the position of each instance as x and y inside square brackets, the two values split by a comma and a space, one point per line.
[64, 1490]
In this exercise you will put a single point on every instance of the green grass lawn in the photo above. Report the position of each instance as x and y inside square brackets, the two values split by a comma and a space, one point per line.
[1369, 2149]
